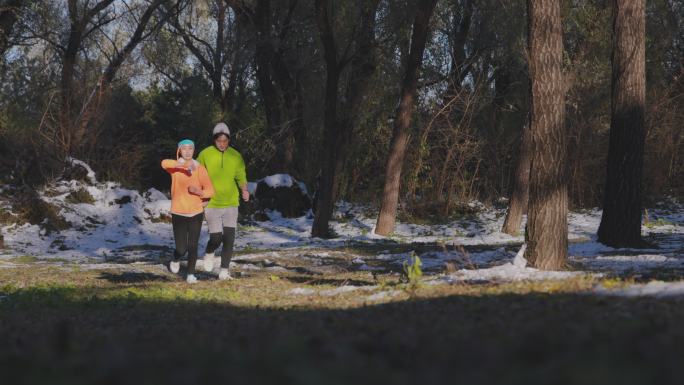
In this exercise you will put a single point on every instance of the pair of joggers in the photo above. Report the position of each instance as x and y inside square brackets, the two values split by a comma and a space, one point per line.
[186, 232]
[225, 168]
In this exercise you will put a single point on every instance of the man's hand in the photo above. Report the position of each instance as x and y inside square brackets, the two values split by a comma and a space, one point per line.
[194, 190]
[245, 195]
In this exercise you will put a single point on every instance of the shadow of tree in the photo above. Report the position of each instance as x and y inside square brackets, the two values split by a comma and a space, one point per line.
[328, 281]
[132, 277]
[68, 336]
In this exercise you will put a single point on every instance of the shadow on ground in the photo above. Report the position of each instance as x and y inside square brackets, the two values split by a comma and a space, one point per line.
[132, 277]
[68, 336]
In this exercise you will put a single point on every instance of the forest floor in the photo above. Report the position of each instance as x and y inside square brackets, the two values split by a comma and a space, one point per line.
[95, 303]
[303, 322]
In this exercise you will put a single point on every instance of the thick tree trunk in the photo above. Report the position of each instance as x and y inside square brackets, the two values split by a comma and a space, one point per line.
[326, 192]
[621, 219]
[547, 227]
[337, 132]
[517, 206]
[328, 184]
[400, 135]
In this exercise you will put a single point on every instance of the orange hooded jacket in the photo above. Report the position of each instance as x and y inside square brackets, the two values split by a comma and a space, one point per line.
[182, 201]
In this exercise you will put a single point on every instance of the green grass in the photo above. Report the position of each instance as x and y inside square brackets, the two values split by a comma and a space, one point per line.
[24, 259]
[66, 325]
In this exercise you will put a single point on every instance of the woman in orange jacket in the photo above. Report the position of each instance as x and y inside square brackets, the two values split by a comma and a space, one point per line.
[190, 187]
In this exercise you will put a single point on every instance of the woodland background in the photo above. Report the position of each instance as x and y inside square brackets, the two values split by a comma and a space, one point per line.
[117, 83]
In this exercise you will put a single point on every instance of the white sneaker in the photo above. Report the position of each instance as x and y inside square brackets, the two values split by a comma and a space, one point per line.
[191, 278]
[174, 267]
[208, 262]
[225, 275]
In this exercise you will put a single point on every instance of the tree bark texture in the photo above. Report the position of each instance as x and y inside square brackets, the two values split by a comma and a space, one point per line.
[621, 219]
[326, 192]
[547, 227]
[402, 121]
[517, 206]
[337, 131]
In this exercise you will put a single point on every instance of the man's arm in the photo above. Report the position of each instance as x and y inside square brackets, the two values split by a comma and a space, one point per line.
[241, 178]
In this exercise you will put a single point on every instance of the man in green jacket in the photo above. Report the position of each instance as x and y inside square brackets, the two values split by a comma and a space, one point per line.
[226, 170]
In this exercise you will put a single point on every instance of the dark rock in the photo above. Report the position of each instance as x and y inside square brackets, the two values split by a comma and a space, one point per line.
[123, 200]
[291, 202]
[75, 171]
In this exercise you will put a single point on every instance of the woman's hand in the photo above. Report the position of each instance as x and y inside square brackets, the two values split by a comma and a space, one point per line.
[194, 190]
[245, 195]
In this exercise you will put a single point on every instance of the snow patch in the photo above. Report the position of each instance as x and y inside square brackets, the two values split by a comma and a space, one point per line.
[509, 272]
[383, 295]
[658, 289]
[338, 290]
[301, 291]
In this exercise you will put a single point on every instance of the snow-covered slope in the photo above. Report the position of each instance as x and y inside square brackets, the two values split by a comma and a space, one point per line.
[122, 224]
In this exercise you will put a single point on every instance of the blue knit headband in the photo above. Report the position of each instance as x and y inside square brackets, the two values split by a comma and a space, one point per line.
[186, 142]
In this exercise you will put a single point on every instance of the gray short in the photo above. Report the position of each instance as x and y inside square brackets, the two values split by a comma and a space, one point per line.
[217, 219]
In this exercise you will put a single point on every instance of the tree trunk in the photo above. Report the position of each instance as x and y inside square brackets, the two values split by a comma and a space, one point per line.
[326, 192]
[547, 227]
[66, 116]
[521, 185]
[400, 135]
[621, 219]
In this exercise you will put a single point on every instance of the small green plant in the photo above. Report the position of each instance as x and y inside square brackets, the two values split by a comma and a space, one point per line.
[658, 223]
[412, 272]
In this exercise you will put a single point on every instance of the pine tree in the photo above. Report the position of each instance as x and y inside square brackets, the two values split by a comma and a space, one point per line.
[547, 227]
[621, 219]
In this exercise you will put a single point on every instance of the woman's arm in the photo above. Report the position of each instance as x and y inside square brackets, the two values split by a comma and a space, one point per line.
[171, 166]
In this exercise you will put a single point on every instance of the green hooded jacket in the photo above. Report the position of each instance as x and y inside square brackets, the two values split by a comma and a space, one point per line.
[227, 171]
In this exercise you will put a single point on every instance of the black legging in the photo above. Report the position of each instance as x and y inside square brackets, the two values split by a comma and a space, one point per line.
[228, 239]
[186, 232]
